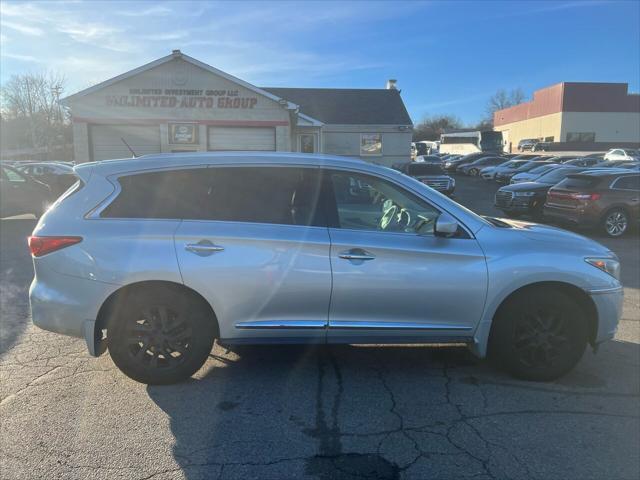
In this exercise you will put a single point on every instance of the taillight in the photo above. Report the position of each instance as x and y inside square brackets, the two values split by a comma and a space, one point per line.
[588, 197]
[40, 246]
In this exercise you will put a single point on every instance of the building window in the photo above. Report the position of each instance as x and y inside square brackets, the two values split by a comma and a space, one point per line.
[371, 144]
[584, 137]
[307, 143]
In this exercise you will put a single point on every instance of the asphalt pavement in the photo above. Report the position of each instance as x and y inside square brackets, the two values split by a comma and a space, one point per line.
[338, 412]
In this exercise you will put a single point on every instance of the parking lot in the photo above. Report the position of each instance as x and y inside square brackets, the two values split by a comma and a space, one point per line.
[339, 412]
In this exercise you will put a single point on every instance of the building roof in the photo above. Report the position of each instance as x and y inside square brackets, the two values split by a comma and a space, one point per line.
[348, 106]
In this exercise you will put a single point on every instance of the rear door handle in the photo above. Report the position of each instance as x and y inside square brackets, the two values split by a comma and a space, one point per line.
[356, 254]
[203, 248]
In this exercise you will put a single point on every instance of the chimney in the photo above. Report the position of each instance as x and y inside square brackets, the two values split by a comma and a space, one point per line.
[176, 53]
[391, 84]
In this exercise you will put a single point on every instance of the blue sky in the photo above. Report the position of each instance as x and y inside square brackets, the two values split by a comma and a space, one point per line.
[448, 57]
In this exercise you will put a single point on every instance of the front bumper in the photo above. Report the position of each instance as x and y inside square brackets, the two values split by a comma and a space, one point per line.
[608, 304]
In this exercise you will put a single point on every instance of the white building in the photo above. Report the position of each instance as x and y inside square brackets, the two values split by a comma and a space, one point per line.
[178, 104]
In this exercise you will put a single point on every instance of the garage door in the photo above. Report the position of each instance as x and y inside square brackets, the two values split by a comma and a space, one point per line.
[242, 138]
[107, 140]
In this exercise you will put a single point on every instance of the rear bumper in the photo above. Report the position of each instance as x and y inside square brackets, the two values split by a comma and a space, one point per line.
[570, 215]
[68, 305]
[608, 304]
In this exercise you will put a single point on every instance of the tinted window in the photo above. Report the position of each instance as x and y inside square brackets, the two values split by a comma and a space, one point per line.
[578, 182]
[281, 195]
[628, 183]
[14, 176]
[365, 202]
[556, 175]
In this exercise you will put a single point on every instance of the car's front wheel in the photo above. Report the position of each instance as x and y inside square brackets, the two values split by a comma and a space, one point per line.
[160, 335]
[615, 222]
[538, 334]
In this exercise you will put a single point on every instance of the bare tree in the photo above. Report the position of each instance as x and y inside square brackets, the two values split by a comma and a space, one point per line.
[431, 127]
[32, 101]
[501, 100]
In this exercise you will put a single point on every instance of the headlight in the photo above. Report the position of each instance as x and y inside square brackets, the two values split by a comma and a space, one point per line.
[609, 265]
[524, 194]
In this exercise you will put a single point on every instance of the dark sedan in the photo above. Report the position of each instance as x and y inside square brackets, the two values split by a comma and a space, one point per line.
[452, 165]
[58, 176]
[474, 168]
[528, 198]
[505, 176]
[20, 194]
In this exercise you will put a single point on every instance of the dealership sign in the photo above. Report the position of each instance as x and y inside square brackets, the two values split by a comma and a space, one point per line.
[181, 98]
[183, 133]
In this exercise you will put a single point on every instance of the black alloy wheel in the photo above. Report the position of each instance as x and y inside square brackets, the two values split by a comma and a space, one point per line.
[160, 335]
[538, 334]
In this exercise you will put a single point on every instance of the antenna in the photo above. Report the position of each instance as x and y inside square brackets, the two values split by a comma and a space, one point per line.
[129, 147]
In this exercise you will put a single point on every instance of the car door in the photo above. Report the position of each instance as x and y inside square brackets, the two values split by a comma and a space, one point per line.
[626, 191]
[393, 279]
[258, 249]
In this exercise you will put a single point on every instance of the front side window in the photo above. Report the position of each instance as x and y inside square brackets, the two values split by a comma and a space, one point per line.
[371, 144]
[275, 195]
[365, 202]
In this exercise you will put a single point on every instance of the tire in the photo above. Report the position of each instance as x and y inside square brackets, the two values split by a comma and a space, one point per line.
[160, 336]
[538, 335]
[615, 223]
[473, 172]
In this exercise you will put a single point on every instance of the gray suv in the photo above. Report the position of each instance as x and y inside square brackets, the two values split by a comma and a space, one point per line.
[156, 257]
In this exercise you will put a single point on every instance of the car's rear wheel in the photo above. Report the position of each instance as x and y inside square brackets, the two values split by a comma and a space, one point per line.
[538, 335]
[615, 222]
[161, 335]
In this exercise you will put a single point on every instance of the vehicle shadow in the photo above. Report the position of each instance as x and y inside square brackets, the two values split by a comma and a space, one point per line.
[16, 274]
[326, 411]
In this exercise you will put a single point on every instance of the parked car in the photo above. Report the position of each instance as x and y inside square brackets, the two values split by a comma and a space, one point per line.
[430, 174]
[504, 176]
[528, 198]
[474, 168]
[622, 154]
[58, 176]
[428, 159]
[541, 146]
[608, 201]
[292, 248]
[616, 164]
[452, 165]
[21, 194]
[534, 173]
[527, 144]
[582, 162]
[489, 173]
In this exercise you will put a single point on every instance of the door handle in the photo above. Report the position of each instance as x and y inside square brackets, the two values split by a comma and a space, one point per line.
[356, 254]
[204, 248]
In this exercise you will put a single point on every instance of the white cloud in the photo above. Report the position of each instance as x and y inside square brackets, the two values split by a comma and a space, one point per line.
[22, 28]
[159, 10]
[165, 36]
[23, 58]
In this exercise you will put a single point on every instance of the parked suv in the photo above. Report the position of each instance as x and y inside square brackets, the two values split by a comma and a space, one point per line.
[431, 174]
[609, 201]
[157, 256]
[527, 144]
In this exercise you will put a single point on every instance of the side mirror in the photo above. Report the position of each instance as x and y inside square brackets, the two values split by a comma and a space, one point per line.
[446, 226]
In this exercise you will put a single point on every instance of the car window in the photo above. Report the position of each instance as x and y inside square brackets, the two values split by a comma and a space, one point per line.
[365, 202]
[14, 176]
[631, 182]
[276, 195]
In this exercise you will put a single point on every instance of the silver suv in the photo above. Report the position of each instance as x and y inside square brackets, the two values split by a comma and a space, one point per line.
[156, 257]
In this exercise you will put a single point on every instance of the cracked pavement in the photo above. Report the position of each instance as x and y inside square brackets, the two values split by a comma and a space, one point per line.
[338, 412]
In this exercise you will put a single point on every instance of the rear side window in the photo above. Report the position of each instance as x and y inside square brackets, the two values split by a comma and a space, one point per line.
[578, 182]
[279, 195]
[628, 183]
